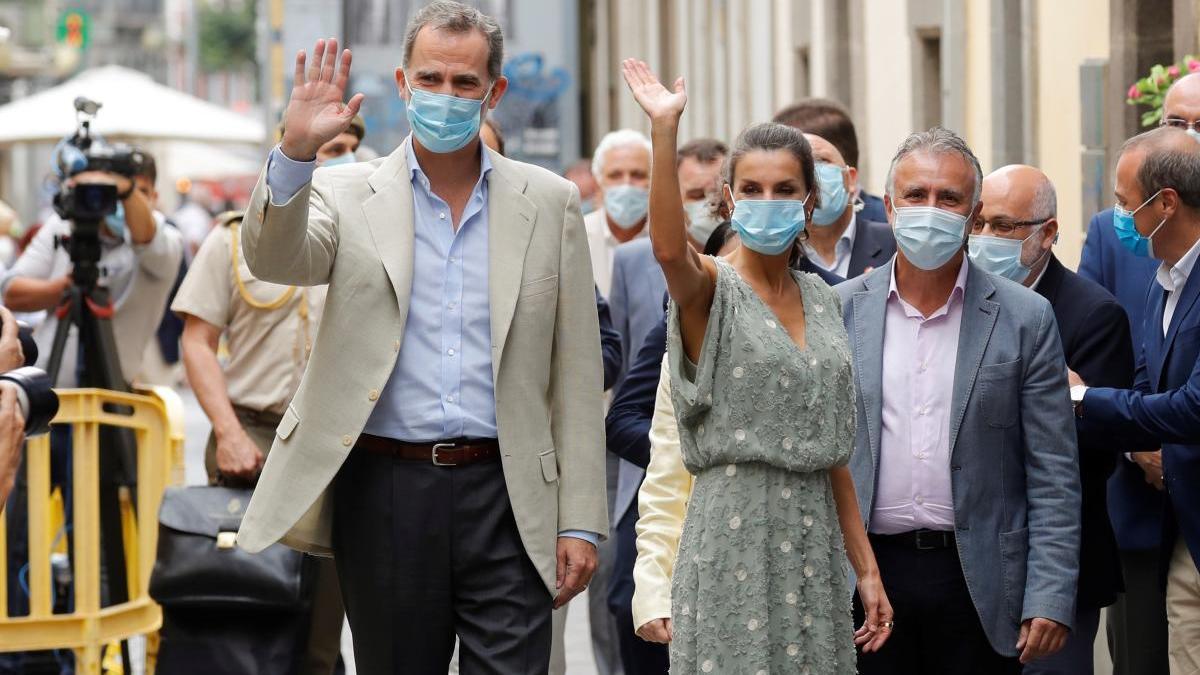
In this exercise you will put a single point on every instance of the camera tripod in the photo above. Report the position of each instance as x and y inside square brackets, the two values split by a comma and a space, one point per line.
[88, 306]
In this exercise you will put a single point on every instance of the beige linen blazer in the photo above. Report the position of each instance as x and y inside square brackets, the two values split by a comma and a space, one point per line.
[352, 227]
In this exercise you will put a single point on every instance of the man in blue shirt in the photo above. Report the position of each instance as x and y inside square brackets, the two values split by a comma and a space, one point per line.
[446, 441]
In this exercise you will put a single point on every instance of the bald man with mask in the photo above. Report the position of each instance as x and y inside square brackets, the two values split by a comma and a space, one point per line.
[1014, 238]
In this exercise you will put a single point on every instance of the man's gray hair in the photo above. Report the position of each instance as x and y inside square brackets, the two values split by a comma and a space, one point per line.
[458, 18]
[937, 140]
[1172, 161]
[616, 139]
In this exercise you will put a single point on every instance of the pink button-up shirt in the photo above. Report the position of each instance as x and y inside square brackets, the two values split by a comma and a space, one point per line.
[919, 355]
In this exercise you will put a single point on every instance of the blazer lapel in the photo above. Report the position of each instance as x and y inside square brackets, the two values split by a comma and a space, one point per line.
[865, 252]
[978, 319]
[1187, 298]
[389, 216]
[1153, 342]
[510, 225]
[869, 308]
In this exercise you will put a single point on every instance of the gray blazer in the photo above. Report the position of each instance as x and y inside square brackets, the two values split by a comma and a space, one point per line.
[1014, 462]
[636, 304]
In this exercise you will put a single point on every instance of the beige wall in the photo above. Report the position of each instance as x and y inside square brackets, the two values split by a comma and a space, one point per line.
[888, 48]
[739, 59]
[1058, 118]
[978, 101]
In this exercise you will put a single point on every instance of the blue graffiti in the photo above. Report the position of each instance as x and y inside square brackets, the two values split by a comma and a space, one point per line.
[528, 78]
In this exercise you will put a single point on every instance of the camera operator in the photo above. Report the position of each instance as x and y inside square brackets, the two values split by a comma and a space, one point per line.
[12, 423]
[139, 262]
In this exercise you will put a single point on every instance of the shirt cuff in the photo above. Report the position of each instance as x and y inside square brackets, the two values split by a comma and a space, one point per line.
[285, 176]
[590, 537]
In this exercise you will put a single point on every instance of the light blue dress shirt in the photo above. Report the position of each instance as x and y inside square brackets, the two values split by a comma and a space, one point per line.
[442, 386]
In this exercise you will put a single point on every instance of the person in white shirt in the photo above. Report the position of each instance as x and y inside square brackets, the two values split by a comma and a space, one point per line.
[621, 165]
[139, 261]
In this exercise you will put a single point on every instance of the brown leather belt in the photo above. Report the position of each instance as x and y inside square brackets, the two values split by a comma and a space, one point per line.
[458, 452]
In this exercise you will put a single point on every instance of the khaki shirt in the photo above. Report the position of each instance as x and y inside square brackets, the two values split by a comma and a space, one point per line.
[268, 344]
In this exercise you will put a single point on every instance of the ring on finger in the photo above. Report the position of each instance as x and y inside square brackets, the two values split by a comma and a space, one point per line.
[887, 625]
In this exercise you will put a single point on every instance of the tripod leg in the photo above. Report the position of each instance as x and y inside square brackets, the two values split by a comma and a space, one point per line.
[118, 459]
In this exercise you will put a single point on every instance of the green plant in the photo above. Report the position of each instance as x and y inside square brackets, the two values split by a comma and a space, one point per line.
[1151, 90]
[227, 37]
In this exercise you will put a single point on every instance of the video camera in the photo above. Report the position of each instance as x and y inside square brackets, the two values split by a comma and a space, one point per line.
[89, 203]
[86, 204]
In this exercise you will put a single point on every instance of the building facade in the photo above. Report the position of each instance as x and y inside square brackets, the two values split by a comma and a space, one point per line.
[1026, 81]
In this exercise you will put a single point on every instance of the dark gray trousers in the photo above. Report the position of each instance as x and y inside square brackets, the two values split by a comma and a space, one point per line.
[424, 553]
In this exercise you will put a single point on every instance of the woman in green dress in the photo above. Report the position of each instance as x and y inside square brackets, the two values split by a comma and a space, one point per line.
[764, 399]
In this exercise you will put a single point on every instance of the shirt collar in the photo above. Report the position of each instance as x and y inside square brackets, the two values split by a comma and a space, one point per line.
[416, 173]
[850, 233]
[1038, 280]
[1174, 278]
[960, 286]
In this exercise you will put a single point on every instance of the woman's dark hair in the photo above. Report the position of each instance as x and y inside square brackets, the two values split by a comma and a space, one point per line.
[771, 136]
[719, 237]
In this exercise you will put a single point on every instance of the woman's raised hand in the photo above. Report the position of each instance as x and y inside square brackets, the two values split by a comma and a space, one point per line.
[659, 102]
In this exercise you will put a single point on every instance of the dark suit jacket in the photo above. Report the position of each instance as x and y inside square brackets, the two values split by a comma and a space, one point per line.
[874, 245]
[610, 342]
[1135, 507]
[872, 208]
[1095, 339]
[1163, 407]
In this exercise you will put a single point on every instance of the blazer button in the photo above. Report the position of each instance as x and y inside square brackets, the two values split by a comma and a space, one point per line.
[346, 441]
[373, 395]
[396, 346]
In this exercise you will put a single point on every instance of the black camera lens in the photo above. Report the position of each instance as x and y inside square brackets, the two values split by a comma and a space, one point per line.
[29, 348]
[39, 403]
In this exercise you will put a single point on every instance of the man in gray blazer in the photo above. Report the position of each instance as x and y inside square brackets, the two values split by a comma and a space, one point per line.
[446, 441]
[965, 460]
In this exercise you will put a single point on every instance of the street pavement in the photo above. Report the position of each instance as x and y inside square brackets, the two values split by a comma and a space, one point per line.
[196, 429]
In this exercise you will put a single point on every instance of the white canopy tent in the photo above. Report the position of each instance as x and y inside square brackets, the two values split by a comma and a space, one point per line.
[134, 107]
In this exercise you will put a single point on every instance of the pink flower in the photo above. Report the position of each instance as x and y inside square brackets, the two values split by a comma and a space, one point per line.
[1193, 65]
[1133, 92]
[1173, 70]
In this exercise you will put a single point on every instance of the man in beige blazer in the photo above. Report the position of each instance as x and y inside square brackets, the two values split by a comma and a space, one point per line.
[446, 443]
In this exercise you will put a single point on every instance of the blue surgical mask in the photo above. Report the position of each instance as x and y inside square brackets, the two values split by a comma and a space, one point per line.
[999, 256]
[928, 236]
[444, 123]
[834, 197]
[768, 226]
[116, 222]
[626, 204]
[587, 206]
[347, 158]
[701, 221]
[1127, 232]
[1194, 134]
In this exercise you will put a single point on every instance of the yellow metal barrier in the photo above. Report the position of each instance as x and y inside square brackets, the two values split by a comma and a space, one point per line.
[156, 421]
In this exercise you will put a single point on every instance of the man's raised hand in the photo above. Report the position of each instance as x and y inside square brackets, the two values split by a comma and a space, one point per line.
[315, 114]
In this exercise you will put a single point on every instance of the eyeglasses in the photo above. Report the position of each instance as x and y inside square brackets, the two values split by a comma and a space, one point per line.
[1003, 228]
[1180, 123]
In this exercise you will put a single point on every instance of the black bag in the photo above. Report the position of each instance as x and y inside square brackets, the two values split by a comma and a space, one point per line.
[200, 567]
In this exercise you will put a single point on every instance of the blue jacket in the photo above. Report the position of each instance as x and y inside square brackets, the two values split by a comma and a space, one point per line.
[872, 208]
[1134, 506]
[1013, 459]
[1163, 408]
[610, 342]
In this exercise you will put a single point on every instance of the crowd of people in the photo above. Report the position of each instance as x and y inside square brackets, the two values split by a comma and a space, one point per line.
[771, 421]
